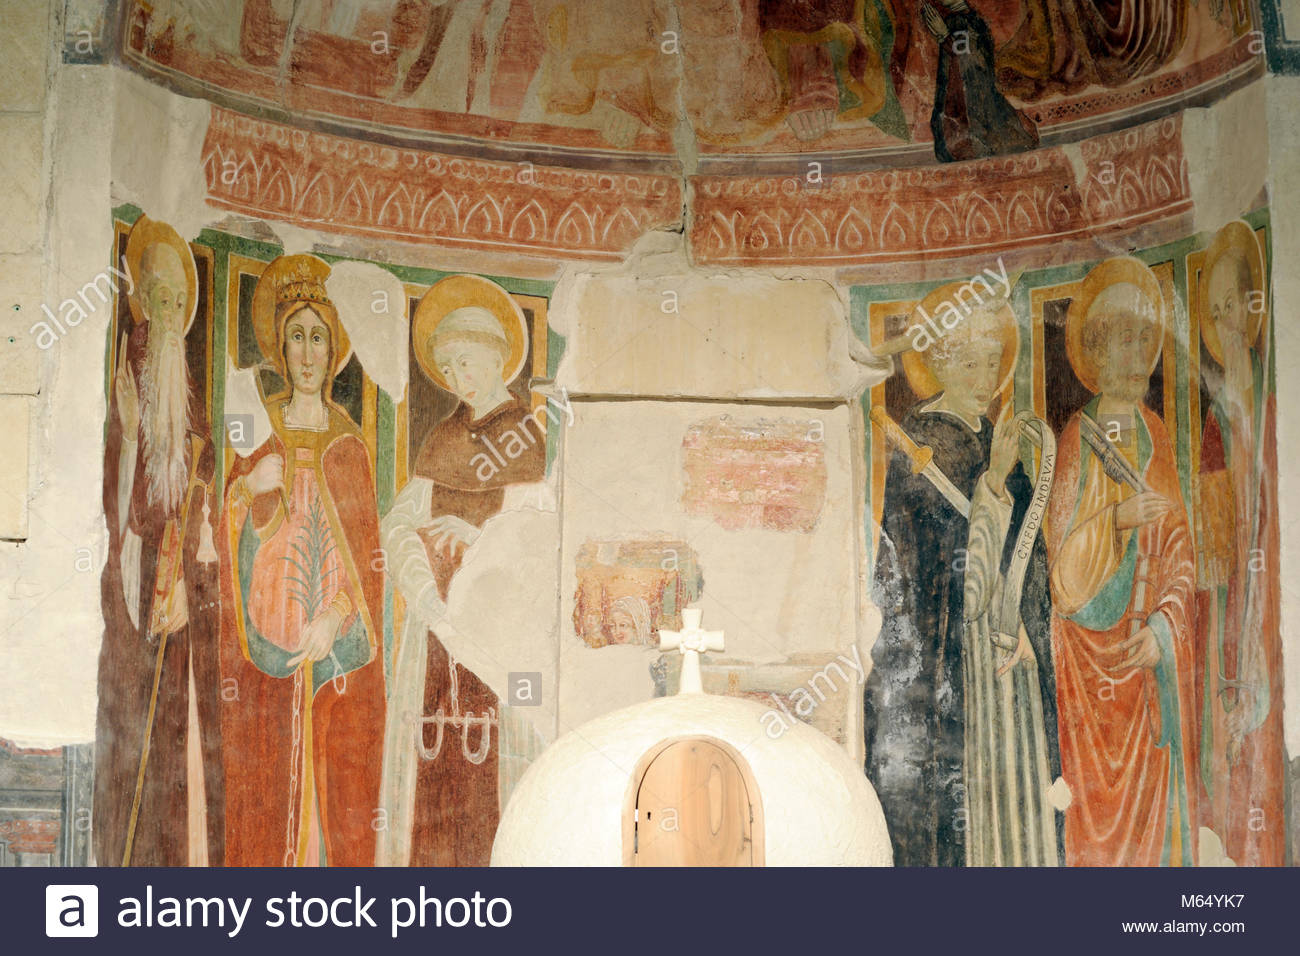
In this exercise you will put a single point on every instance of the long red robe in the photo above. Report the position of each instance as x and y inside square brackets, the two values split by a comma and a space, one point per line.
[1244, 795]
[280, 740]
[1128, 738]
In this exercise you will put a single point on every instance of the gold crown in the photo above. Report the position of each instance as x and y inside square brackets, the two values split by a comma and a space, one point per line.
[299, 285]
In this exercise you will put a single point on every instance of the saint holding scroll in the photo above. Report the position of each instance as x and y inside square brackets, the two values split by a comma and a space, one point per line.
[959, 706]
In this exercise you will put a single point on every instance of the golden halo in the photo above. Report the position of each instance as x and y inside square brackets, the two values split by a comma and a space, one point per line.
[1239, 237]
[1111, 272]
[916, 365]
[455, 292]
[145, 233]
[264, 303]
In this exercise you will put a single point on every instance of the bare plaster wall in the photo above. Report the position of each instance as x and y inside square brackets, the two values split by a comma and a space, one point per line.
[50, 617]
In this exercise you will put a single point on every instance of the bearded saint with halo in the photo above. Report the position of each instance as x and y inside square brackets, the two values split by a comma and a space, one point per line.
[158, 774]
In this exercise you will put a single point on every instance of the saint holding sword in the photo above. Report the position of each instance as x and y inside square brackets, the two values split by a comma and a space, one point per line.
[960, 713]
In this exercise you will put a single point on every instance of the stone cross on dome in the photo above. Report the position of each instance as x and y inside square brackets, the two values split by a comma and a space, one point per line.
[691, 641]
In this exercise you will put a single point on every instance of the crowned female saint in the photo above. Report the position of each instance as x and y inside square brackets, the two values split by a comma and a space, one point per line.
[302, 602]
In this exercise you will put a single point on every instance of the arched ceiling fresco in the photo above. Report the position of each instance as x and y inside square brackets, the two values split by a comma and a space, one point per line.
[747, 77]
[570, 127]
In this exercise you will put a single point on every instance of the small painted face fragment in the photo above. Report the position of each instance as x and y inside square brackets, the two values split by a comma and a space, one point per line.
[623, 629]
[472, 369]
[306, 350]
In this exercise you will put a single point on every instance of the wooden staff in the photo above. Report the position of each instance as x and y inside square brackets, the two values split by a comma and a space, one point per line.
[196, 448]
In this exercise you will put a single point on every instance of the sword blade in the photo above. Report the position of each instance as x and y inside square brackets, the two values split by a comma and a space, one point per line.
[947, 489]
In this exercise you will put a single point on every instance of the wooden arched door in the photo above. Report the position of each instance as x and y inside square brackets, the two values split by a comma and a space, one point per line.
[693, 802]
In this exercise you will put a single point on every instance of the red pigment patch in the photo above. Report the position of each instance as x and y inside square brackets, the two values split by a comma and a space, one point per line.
[761, 474]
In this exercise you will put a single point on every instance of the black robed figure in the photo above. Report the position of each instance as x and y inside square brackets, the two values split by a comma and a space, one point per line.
[918, 703]
[971, 118]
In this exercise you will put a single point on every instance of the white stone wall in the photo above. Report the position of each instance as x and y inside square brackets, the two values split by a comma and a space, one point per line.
[54, 240]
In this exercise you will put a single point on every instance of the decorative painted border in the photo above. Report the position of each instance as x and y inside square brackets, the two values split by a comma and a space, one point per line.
[1125, 179]
[269, 170]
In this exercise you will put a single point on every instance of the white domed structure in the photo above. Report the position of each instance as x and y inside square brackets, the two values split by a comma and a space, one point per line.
[725, 791]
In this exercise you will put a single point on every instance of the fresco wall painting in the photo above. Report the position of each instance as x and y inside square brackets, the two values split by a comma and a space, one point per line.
[1148, 640]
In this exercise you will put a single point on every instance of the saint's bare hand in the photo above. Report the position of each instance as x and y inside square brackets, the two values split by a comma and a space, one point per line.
[449, 530]
[128, 399]
[173, 612]
[933, 22]
[318, 639]
[1005, 447]
[1024, 652]
[1140, 650]
[267, 475]
[1141, 509]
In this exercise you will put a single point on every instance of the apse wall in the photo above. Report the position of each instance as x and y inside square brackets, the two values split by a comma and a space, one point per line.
[711, 303]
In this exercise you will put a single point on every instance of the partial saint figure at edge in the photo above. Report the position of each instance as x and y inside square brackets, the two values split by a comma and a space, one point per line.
[1239, 652]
